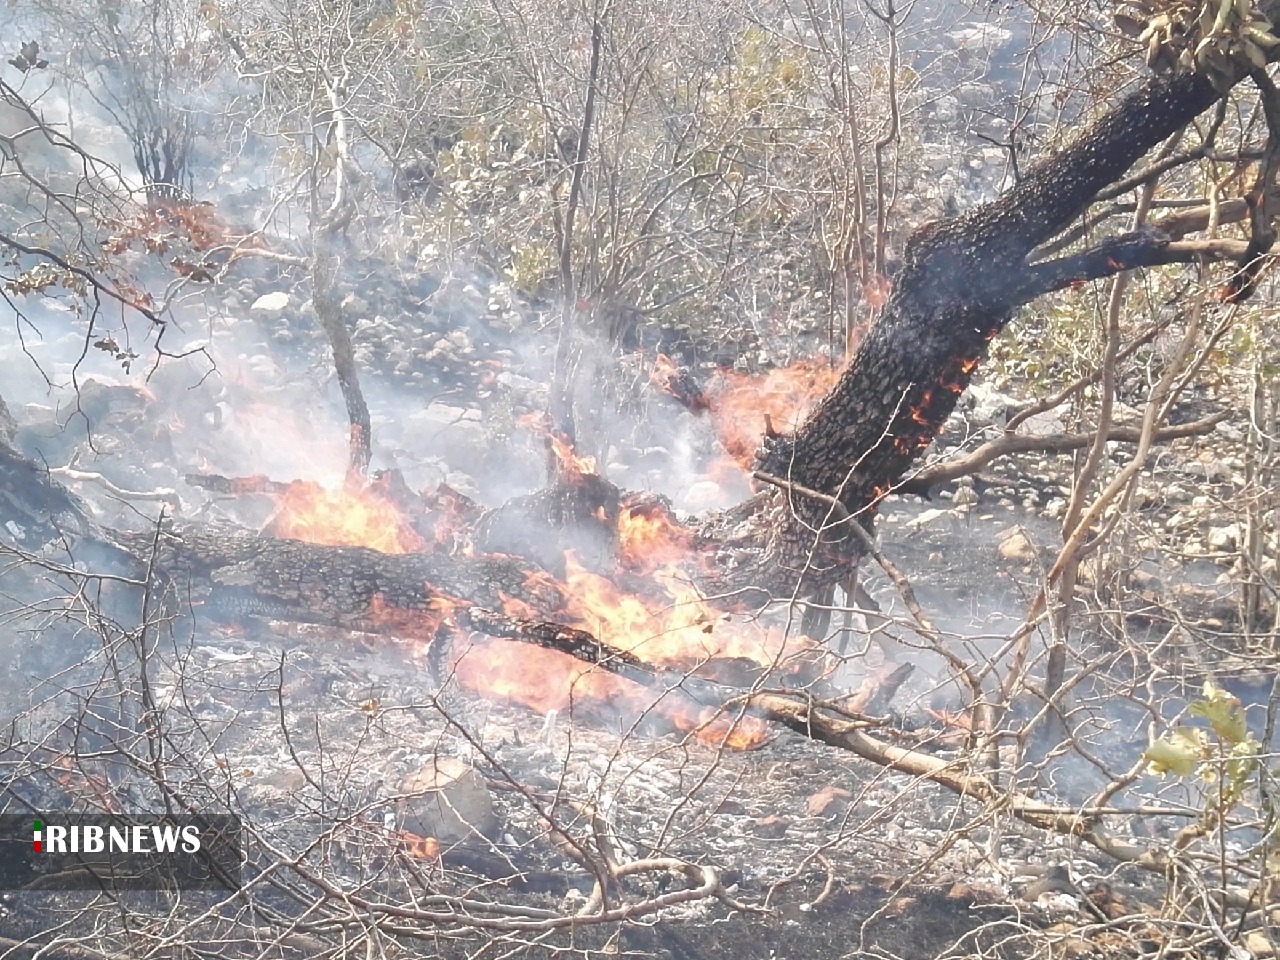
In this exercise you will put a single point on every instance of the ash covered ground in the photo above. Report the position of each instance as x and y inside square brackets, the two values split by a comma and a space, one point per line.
[308, 730]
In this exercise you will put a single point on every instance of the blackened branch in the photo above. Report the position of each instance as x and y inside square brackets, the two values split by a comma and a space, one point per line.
[1261, 200]
[1142, 248]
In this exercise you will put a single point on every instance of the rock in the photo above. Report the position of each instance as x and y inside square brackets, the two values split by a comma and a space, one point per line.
[926, 519]
[455, 434]
[1042, 425]
[447, 801]
[771, 827]
[979, 37]
[357, 306]
[731, 807]
[1209, 468]
[702, 495]
[829, 802]
[271, 302]
[965, 495]
[8, 425]
[1014, 544]
[973, 892]
[988, 405]
[1259, 944]
[1224, 539]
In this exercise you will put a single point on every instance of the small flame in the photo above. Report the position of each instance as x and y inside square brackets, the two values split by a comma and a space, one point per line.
[918, 413]
[664, 369]
[744, 405]
[667, 376]
[545, 680]
[420, 624]
[876, 291]
[573, 464]
[681, 631]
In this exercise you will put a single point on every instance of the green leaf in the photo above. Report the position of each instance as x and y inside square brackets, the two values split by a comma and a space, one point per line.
[1224, 713]
[1178, 753]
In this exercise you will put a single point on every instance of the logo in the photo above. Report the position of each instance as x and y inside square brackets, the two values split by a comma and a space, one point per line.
[93, 838]
[133, 852]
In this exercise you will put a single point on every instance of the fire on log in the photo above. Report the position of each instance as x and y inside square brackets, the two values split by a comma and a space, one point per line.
[655, 634]
[679, 383]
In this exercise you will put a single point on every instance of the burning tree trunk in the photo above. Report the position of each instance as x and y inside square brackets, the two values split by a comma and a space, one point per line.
[961, 282]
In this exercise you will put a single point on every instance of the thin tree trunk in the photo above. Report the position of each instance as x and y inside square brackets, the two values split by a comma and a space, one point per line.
[562, 419]
[328, 228]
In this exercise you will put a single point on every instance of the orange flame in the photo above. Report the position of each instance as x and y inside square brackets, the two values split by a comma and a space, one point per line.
[664, 368]
[545, 680]
[648, 538]
[743, 405]
[343, 518]
[681, 631]
[573, 464]
[669, 625]
[669, 378]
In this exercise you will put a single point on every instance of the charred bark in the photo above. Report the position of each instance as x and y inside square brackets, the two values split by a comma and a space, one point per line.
[961, 282]
[235, 571]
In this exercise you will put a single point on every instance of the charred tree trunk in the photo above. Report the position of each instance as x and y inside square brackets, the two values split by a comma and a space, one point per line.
[961, 282]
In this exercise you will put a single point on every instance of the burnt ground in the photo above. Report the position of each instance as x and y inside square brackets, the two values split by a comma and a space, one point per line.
[852, 922]
[777, 823]
[830, 855]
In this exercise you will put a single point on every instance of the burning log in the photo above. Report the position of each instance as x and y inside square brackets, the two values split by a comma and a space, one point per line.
[678, 382]
[234, 571]
[656, 630]
[383, 514]
[425, 596]
[578, 513]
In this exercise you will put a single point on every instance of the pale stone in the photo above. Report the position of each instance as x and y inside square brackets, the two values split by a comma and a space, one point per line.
[1015, 545]
[448, 801]
[979, 37]
[829, 802]
[1225, 538]
[1259, 944]
[925, 519]
[271, 302]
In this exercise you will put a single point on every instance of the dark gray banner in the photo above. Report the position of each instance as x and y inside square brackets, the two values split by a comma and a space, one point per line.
[56, 851]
